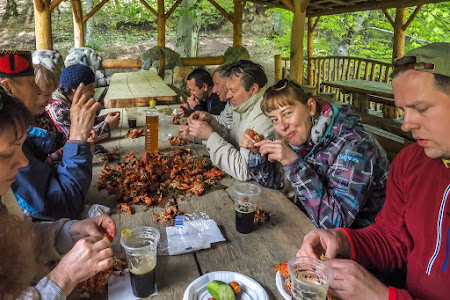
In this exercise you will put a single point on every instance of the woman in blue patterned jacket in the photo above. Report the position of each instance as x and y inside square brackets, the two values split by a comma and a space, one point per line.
[336, 167]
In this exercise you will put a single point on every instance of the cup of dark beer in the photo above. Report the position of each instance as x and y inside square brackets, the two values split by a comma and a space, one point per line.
[140, 245]
[131, 116]
[246, 195]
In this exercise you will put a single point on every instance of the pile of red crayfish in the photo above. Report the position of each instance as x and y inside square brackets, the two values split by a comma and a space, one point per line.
[149, 179]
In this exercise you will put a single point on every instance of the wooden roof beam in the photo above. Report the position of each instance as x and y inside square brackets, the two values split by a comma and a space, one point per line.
[269, 4]
[289, 4]
[172, 9]
[411, 17]
[372, 6]
[94, 10]
[320, 6]
[340, 2]
[222, 11]
[149, 7]
[55, 4]
[389, 17]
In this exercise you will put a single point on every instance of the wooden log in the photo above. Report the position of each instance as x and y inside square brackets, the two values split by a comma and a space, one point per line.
[237, 25]
[310, 50]
[54, 4]
[94, 10]
[149, 7]
[278, 68]
[137, 63]
[172, 9]
[78, 26]
[222, 11]
[161, 24]
[369, 5]
[43, 25]
[162, 64]
[399, 33]
[298, 28]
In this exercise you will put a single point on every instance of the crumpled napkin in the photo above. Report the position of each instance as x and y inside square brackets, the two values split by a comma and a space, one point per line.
[192, 235]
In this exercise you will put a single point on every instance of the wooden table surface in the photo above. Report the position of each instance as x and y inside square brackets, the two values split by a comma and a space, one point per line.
[362, 86]
[137, 89]
[253, 254]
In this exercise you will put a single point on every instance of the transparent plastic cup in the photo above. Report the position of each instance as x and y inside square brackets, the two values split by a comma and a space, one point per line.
[310, 278]
[140, 245]
[246, 196]
[131, 113]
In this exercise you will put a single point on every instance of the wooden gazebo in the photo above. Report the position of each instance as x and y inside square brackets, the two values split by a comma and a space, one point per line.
[301, 9]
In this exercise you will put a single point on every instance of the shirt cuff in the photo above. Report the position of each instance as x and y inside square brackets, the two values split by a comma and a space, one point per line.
[76, 147]
[50, 290]
[352, 246]
[392, 293]
[64, 241]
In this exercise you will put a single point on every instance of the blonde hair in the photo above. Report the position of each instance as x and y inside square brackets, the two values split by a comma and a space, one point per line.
[18, 267]
[45, 77]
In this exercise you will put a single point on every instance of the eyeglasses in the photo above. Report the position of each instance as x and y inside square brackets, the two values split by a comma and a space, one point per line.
[282, 84]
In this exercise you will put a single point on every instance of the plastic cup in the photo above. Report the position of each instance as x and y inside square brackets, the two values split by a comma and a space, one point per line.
[131, 116]
[310, 278]
[140, 245]
[246, 195]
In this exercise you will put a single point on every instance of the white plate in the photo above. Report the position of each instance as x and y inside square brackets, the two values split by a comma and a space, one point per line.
[250, 289]
[282, 286]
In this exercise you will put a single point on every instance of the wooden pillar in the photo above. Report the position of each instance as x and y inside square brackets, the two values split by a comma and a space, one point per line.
[78, 25]
[43, 25]
[278, 68]
[399, 33]
[297, 33]
[237, 24]
[310, 50]
[161, 24]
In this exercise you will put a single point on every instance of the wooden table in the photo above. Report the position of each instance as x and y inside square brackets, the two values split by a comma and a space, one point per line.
[253, 254]
[364, 91]
[137, 89]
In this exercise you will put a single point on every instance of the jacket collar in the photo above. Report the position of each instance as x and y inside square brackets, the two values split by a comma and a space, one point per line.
[250, 102]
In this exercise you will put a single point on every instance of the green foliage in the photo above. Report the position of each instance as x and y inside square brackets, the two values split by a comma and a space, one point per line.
[375, 37]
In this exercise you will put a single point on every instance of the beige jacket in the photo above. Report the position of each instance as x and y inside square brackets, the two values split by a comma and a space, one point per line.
[223, 144]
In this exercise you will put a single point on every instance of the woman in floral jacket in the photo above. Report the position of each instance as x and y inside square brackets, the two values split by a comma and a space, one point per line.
[336, 167]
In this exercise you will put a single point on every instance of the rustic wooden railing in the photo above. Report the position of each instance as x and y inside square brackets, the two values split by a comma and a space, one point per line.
[187, 61]
[323, 68]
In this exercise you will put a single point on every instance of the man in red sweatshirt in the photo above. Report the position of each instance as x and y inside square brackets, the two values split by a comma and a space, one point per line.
[413, 228]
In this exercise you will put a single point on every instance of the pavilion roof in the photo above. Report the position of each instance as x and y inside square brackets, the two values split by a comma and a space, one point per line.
[332, 7]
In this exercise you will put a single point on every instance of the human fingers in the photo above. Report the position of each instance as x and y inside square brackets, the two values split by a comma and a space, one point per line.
[107, 224]
[78, 93]
[310, 241]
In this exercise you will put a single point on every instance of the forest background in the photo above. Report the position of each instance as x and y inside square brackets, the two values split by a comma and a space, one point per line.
[125, 29]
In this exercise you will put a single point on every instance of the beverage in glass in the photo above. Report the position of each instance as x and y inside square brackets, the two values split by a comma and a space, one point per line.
[140, 245]
[151, 128]
[310, 278]
[246, 195]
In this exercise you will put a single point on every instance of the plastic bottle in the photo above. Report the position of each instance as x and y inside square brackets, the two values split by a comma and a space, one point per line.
[151, 128]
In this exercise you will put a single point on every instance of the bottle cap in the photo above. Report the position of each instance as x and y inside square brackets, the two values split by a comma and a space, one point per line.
[152, 102]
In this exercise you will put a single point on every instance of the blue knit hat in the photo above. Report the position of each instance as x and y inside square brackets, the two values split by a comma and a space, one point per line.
[73, 75]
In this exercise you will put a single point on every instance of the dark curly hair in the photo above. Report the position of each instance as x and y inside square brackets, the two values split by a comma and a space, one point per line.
[13, 113]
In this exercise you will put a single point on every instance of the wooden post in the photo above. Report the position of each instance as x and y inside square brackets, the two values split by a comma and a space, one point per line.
[237, 24]
[399, 33]
[161, 24]
[43, 25]
[298, 28]
[78, 25]
[310, 50]
[278, 68]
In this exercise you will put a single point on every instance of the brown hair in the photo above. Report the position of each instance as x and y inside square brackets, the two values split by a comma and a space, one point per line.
[45, 77]
[17, 265]
[13, 113]
[287, 92]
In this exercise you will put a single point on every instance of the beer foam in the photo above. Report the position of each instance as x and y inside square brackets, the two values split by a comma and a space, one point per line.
[142, 264]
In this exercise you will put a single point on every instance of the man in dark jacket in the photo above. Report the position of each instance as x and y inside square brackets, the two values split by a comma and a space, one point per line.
[200, 84]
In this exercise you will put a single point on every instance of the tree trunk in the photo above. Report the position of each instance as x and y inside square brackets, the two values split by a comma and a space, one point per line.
[89, 24]
[187, 29]
[11, 8]
[348, 39]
